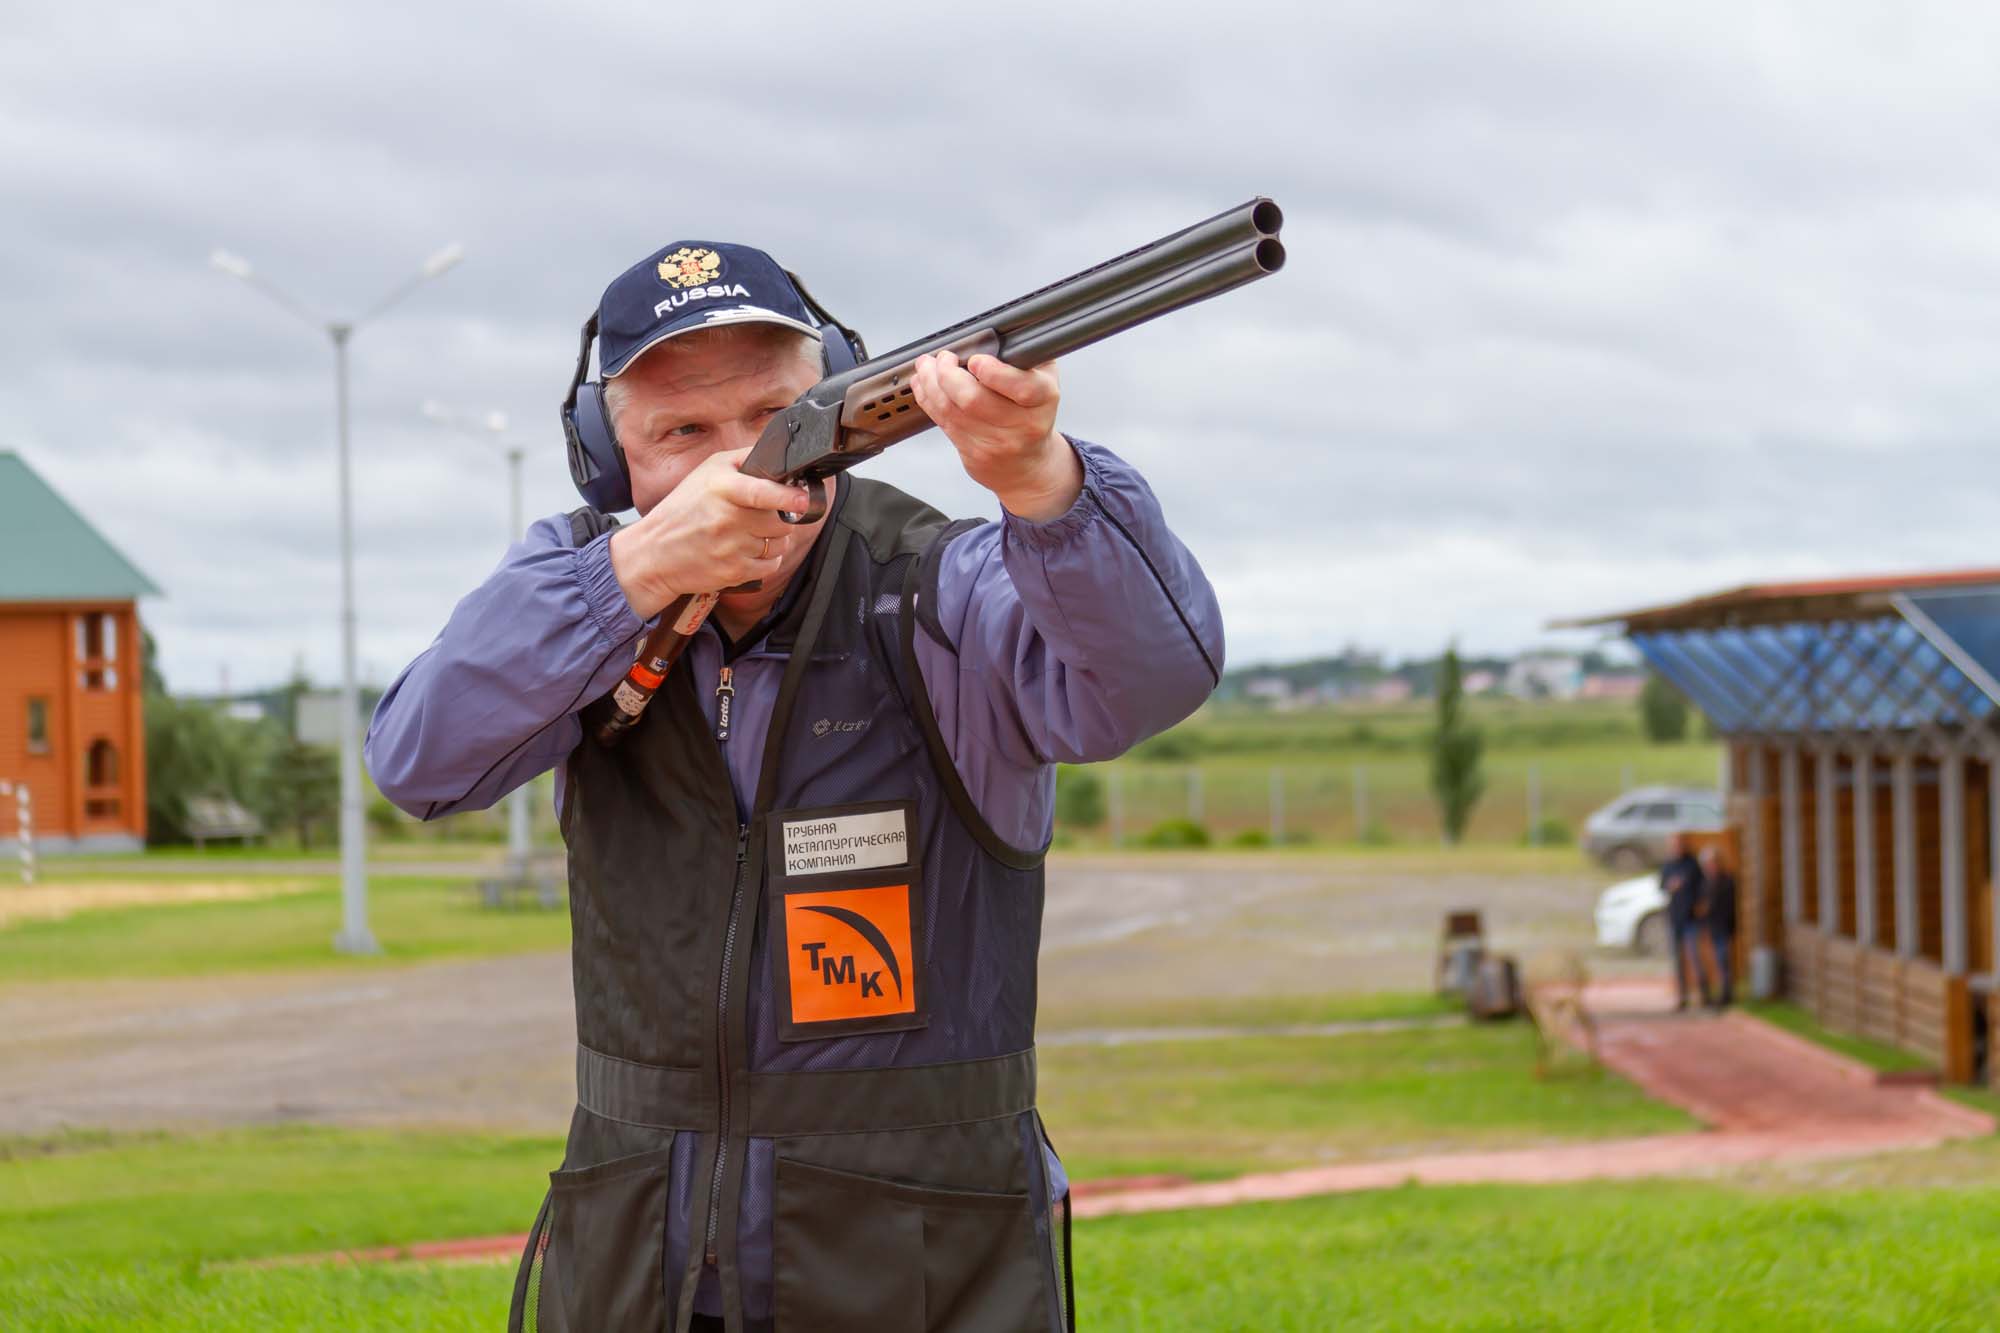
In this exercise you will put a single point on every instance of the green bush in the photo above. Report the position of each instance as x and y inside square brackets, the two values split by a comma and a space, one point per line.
[1554, 833]
[1663, 713]
[1079, 798]
[1251, 837]
[1175, 833]
[1376, 834]
[1170, 747]
[385, 820]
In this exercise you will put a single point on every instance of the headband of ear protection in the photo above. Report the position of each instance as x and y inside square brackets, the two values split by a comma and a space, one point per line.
[597, 461]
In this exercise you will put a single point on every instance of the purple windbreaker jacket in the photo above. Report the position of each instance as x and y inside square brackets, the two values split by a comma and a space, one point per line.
[1077, 639]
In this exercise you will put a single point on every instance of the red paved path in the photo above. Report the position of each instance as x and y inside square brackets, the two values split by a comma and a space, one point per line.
[1764, 1094]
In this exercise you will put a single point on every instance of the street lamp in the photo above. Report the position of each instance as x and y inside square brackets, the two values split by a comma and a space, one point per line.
[495, 424]
[354, 936]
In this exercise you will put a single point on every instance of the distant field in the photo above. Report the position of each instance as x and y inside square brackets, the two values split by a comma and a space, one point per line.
[1349, 774]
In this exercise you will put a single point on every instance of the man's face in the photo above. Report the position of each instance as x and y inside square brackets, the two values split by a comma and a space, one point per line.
[685, 402]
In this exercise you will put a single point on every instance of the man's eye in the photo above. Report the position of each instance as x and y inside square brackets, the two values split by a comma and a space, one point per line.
[682, 432]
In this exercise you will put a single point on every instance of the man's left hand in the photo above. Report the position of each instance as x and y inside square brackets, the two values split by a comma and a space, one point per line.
[1002, 421]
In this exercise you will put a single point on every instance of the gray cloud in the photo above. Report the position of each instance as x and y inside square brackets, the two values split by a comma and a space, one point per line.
[1588, 305]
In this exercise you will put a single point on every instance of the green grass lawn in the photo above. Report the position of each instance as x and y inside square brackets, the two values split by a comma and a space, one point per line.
[99, 1233]
[1215, 1108]
[148, 1234]
[413, 919]
[1649, 1255]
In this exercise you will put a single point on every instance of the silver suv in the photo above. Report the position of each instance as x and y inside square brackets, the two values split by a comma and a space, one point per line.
[1634, 831]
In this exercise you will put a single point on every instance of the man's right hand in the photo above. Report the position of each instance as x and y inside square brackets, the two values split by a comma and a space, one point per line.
[717, 529]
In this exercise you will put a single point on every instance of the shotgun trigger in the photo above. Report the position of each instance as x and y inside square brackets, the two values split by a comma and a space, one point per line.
[815, 490]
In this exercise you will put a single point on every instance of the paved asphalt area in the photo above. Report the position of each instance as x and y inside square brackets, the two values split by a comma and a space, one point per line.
[489, 1042]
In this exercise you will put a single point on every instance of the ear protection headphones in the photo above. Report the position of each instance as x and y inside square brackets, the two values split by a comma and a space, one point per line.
[597, 461]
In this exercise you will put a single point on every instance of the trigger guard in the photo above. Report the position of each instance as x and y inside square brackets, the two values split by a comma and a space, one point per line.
[815, 490]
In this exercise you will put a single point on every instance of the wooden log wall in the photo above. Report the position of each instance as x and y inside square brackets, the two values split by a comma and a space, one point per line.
[1904, 1002]
[1992, 1037]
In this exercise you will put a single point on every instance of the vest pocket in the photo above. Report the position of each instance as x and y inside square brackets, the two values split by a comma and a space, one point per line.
[608, 1243]
[855, 1252]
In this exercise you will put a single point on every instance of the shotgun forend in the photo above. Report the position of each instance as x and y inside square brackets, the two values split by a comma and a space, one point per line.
[858, 413]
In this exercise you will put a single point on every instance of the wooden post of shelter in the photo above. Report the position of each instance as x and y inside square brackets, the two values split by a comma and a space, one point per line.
[1861, 804]
[1903, 776]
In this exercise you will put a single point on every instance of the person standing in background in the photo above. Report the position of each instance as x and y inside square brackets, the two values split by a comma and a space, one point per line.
[1680, 881]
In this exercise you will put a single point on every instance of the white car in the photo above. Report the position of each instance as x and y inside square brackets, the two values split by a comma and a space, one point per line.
[1632, 914]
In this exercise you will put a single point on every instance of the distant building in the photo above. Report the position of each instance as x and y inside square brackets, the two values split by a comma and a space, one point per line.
[1545, 675]
[316, 718]
[1268, 689]
[1393, 690]
[1479, 682]
[72, 725]
[1626, 685]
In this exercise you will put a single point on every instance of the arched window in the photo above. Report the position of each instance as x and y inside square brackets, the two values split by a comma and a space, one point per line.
[101, 765]
[100, 779]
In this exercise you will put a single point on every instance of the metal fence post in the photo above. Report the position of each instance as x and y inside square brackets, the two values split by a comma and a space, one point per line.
[1534, 805]
[1277, 807]
[1114, 805]
[24, 827]
[1360, 802]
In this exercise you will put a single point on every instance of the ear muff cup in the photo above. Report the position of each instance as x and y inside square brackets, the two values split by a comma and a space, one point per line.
[596, 463]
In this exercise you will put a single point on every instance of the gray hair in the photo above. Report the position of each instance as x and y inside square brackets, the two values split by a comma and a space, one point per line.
[618, 390]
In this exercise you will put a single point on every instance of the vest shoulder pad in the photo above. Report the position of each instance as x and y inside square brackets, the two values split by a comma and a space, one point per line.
[587, 524]
[892, 523]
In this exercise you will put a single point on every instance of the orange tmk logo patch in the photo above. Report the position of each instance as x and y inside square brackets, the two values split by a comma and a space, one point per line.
[850, 954]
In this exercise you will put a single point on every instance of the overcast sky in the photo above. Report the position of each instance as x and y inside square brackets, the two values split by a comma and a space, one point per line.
[1588, 305]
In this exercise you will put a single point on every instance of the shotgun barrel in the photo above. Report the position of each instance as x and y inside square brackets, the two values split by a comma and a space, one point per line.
[858, 413]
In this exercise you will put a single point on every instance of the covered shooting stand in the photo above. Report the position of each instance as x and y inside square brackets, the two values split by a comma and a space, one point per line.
[1863, 724]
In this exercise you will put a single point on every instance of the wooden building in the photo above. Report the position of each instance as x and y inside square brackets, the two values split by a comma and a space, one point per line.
[1863, 724]
[71, 689]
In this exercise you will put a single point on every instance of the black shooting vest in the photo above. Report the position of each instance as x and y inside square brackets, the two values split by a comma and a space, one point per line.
[805, 1034]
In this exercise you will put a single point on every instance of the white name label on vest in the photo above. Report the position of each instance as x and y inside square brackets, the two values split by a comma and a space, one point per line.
[846, 842]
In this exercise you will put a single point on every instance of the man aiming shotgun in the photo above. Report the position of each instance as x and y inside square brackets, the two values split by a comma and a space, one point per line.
[806, 833]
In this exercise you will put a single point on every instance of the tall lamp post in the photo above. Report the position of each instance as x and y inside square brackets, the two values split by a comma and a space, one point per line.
[354, 936]
[495, 423]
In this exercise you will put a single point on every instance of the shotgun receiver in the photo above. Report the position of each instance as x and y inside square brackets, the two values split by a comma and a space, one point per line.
[858, 413]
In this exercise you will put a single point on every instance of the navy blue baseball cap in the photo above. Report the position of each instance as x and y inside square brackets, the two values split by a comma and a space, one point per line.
[687, 285]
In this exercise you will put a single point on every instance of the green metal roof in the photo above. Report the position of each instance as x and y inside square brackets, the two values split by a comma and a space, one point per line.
[48, 553]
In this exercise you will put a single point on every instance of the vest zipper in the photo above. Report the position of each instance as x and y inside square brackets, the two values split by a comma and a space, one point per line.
[722, 1031]
[725, 694]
